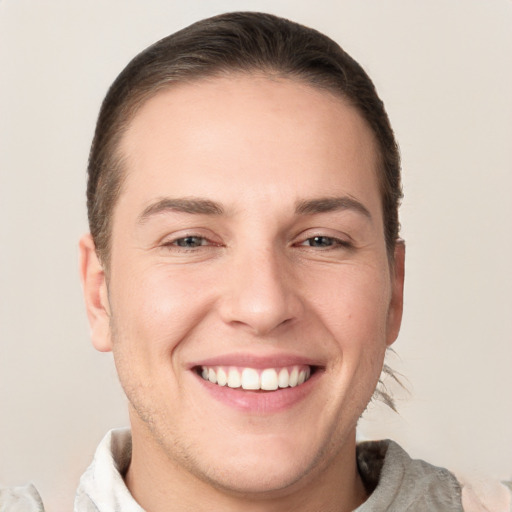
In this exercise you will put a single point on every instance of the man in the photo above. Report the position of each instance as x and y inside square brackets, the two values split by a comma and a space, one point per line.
[244, 266]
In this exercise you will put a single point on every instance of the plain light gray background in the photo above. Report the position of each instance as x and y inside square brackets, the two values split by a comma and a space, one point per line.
[443, 69]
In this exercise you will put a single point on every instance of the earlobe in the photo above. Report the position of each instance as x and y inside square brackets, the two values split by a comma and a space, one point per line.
[397, 293]
[94, 288]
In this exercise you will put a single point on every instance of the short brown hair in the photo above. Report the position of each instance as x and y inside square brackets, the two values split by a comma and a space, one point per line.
[244, 42]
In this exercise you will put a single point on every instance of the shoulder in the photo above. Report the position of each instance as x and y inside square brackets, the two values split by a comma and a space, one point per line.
[20, 499]
[486, 495]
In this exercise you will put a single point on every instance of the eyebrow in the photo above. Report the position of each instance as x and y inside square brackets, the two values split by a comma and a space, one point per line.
[181, 205]
[330, 204]
[200, 206]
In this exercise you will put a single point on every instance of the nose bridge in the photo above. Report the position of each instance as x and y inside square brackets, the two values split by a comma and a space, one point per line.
[261, 292]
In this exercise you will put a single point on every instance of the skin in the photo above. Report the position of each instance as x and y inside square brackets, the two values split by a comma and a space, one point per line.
[258, 284]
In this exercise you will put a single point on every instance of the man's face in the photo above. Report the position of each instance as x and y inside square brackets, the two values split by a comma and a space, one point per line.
[248, 249]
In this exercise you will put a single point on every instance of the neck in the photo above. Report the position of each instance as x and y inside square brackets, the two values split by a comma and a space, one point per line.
[159, 484]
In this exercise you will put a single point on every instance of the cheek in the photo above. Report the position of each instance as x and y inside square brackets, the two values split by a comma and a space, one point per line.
[157, 308]
[353, 303]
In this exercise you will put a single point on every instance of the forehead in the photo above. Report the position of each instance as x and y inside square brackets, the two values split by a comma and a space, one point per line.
[214, 134]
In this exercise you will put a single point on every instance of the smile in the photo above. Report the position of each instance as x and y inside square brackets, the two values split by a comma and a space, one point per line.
[265, 379]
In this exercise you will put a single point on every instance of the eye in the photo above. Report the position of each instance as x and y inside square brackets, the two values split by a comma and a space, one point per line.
[320, 241]
[190, 242]
[323, 242]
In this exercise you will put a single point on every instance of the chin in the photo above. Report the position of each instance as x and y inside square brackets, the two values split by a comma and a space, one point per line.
[265, 467]
[257, 478]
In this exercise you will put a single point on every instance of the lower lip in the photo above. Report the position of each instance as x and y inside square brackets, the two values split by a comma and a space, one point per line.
[260, 401]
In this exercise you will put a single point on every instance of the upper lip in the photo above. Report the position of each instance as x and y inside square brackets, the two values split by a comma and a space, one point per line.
[257, 361]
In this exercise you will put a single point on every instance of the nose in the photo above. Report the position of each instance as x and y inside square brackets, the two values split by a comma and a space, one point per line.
[261, 293]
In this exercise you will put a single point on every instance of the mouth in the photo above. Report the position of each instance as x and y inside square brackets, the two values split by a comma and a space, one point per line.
[256, 379]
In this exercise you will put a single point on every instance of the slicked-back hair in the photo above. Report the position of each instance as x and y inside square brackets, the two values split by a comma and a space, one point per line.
[240, 42]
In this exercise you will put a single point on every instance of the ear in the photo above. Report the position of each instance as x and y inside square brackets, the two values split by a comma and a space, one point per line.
[95, 292]
[397, 293]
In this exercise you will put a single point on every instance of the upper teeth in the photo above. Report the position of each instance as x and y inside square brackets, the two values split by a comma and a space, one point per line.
[267, 379]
